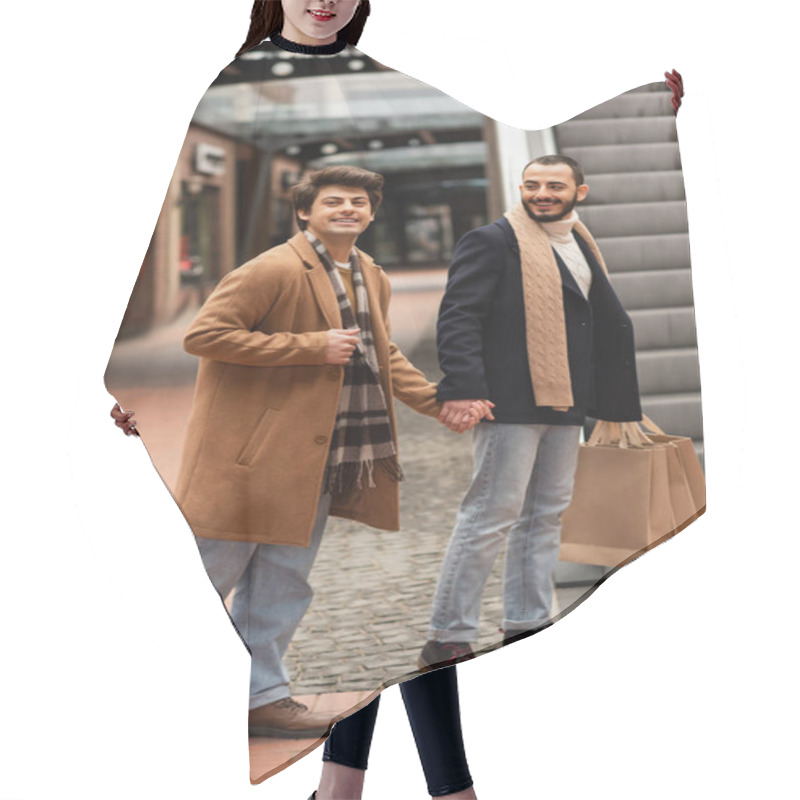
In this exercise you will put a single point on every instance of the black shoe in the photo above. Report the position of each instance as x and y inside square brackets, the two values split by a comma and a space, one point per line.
[510, 635]
[313, 796]
[513, 635]
[443, 654]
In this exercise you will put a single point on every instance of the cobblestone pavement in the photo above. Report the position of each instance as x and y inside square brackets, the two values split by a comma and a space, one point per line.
[373, 589]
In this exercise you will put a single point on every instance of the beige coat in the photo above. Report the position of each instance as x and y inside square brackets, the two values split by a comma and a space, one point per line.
[265, 401]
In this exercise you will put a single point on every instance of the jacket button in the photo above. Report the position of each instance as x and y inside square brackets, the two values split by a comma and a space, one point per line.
[320, 439]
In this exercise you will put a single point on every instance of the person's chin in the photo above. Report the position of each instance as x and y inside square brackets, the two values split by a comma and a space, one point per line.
[540, 216]
[321, 30]
[317, 31]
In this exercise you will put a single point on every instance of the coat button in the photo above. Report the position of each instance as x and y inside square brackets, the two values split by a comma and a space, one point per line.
[320, 439]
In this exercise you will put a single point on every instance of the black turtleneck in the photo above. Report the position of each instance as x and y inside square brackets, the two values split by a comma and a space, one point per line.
[308, 49]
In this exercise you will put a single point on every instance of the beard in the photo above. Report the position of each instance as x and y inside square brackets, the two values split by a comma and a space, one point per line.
[566, 210]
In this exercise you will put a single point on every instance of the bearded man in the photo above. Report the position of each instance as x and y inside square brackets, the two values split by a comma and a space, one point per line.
[530, 322]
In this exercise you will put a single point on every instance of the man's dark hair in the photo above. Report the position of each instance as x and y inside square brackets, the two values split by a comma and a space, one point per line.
[577, 169]
[305, 193]
[266, 19]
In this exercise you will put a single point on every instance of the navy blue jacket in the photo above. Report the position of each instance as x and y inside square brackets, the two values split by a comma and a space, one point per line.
[482, 343]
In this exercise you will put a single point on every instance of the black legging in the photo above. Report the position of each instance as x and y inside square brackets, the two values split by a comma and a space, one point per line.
[432, 707]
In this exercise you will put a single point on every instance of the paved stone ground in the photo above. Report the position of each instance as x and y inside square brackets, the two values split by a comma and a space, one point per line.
[373, 589]
[375, 585]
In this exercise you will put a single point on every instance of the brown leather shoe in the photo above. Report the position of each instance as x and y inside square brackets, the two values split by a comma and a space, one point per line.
[287, 719]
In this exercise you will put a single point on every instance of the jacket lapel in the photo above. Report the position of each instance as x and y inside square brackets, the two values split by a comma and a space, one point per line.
[318, 279]
[567, 278]
[599, 276]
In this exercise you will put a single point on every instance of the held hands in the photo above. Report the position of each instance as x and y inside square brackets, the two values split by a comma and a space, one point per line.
[341, 345]
[462, 415]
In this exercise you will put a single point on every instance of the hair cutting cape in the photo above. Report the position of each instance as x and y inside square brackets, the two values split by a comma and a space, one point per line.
[269, 118]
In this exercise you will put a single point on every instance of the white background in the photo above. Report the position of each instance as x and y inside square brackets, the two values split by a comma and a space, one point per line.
[122, 679]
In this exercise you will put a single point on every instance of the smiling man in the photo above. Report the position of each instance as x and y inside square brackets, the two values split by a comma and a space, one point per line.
[293, 422]
[530, 322]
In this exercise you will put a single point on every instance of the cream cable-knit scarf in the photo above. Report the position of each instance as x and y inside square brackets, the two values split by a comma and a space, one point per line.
[545, 325]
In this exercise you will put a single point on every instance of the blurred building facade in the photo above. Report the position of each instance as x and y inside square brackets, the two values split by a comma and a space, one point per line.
[270, 117]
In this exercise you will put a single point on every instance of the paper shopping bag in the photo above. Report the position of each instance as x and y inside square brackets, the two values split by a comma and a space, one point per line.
[630, 494]
[690, 465]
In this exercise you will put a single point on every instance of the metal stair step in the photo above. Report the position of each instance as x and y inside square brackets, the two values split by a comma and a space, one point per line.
[637, 213]
[627, 158]
[635, 219]
[622, 130]
[657, 328]
[639, 253]
[676, 414]
[631, 104]
[668, 371]
[668, 287]
[634, 187]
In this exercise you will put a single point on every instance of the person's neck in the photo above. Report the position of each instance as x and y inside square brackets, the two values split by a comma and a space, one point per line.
[338, 247]
[561, 229]
[293, 45]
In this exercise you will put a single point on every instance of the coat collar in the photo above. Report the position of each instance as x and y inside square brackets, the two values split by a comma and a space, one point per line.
[308, 255]
[320, 282]
[568, 279]
[599, 275]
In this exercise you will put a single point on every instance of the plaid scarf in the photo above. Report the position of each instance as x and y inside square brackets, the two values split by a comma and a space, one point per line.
[362, 435]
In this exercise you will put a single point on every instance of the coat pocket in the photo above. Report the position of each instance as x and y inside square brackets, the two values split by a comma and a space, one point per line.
[257, 437]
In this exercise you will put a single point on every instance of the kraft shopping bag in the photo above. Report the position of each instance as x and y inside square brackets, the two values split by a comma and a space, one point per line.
[632, 491]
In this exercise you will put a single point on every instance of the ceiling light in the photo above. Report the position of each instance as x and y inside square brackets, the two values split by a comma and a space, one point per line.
[282, 68]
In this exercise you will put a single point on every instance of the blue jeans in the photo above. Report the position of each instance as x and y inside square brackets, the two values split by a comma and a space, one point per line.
[431, 702]
[521, 485]
[272, 595]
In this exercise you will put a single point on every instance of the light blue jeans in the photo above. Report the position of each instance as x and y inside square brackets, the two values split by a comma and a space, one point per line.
[521, 485]
[272, 595]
